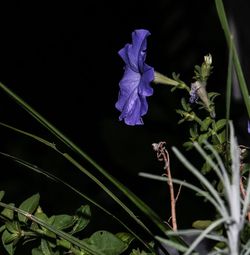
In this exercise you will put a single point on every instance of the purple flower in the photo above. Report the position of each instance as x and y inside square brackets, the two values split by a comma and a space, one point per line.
[135, 83]
[248, 127]
[193, 94]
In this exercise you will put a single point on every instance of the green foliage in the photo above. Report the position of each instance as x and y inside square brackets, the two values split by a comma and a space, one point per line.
[29, 223]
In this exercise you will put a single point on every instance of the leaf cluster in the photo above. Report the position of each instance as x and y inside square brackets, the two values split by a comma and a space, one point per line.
[56, 234]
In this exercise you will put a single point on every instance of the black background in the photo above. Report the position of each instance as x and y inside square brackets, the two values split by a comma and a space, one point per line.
[62, 59]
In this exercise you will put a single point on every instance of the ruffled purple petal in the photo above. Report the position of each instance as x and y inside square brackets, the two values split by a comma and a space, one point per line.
[137, 53]
[134, 54]
[128, 86]
[135, 83]
[144, 87]
[130, 103]
[131, 113]
[248, 127]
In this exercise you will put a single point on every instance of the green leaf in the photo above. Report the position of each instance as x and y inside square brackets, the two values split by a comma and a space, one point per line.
[202, 137]
[45, 247]
[2, 228]
[184, 104]
[125, 237]
[8, 213]
[2, 192]
[37, 251]
[13, 227]
[175, 76]
[201, 224]
[42, 216]
[9, 246]
[106, 243]
[83, 215]
[220, 245]
[222, 137]
[63, 221]
[206, 168]
[188, 145]
[205, 124]
[220, 124]
[193, 132]
[29, 206]
[173, 88]
[9, 238]
[212, 95]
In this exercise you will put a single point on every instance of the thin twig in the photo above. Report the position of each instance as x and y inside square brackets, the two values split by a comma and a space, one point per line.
[162, 155]
[178, 193]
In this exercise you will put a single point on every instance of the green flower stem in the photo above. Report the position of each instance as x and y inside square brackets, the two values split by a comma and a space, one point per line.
[230, 42]
[162, 79]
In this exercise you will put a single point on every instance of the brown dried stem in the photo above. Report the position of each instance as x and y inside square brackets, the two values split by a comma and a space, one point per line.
[162, 155]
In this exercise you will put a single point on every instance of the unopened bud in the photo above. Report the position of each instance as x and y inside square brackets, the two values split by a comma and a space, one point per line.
[208, 59]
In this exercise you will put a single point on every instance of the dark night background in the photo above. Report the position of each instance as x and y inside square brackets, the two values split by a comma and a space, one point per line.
[62, 59]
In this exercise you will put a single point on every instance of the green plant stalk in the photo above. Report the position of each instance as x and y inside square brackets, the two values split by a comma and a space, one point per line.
[228, 98]
[243, 86]
[137, 201]
[229, 87]
[60, 233]
[54, 178]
